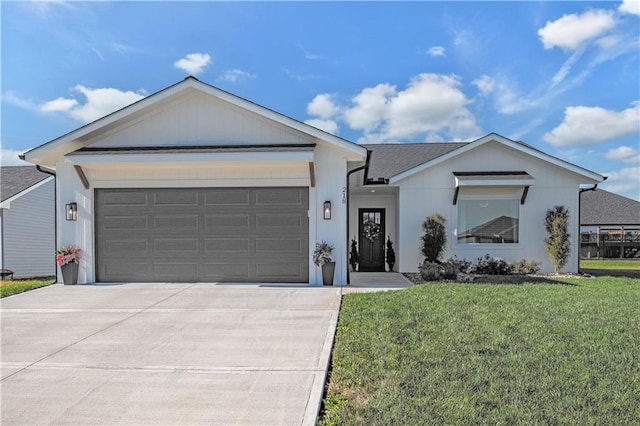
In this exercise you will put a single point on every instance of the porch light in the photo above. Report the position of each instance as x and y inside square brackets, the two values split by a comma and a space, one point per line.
[327, 210]
[72, 211]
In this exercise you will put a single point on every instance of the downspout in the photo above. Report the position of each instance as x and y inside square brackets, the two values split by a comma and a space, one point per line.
[55, 213]
[593, 188]
[349, 173]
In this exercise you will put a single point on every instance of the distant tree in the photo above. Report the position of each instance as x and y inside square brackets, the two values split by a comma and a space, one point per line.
[557, 243]
[434, 238]
[391, 254]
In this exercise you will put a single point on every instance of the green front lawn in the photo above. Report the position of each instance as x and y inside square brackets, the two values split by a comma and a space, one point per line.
[9, 287]
[489, 354]
[611, 264]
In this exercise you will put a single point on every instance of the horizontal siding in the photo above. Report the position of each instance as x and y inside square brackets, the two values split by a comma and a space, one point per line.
[29, 233]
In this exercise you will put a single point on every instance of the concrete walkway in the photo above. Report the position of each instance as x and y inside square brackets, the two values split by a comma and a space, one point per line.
[361, 282]
[166, 354]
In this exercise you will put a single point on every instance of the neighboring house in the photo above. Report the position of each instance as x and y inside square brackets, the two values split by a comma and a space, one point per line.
[27, 224]
[609, 225]
[195, 184]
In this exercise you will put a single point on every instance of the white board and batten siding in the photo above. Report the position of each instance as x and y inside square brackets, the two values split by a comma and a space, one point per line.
[431, 191]
[29, 233]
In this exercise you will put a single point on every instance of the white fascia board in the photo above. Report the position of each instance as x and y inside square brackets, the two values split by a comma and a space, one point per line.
[88, 159]
[597, 178]
[6, 204]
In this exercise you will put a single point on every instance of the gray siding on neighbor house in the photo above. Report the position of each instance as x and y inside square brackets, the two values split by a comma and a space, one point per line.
[29, 233]
[202, 234]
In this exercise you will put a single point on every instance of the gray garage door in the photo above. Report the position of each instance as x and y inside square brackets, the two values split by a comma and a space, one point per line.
[202, 234]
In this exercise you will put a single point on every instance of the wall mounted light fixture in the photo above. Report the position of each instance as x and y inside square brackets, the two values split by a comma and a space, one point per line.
[326, 210]
[72, 211]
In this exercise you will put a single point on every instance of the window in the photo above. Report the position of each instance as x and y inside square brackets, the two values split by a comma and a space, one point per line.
[488, 221]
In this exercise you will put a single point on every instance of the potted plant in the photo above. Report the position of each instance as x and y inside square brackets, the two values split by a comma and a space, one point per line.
[68, 257]
[322, 257]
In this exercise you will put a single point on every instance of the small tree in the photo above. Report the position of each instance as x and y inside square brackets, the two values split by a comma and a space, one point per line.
[434, 238]
[354, 256]
[391, 254]
[557, 243]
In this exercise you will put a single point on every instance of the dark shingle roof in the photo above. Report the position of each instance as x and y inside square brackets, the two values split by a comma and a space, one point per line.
[15, 179]
[606, 208]
[388, 160]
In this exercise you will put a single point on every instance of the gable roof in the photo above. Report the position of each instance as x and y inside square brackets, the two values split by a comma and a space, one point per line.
[16, 179]
[601, 207]
[494, 137]
[79, 138]
[388, 160]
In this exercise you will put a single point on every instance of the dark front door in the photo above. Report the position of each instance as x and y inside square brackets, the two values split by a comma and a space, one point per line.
[372, 232]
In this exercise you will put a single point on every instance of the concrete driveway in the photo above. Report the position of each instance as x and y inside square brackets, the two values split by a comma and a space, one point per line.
[166, 354]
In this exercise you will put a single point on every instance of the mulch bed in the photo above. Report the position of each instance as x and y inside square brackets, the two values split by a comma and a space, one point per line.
[416, 278]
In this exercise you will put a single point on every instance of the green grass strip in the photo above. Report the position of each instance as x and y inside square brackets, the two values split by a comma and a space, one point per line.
[11, 287]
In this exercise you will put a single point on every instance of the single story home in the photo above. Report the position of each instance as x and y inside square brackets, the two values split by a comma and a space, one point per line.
[27, 225]
[609, 225]
[193, 183]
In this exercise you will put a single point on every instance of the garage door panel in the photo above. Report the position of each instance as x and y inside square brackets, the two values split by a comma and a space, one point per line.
[164, 246]
[126, 246]
[238, 222]
[125, 198]
[277, 271]
[230, 271]
[269, 247]
[125, 222]
[202, 234]
[175, 271]
[227, 197]
[222, 246]
[279, 197]
[126, 270]
[177, 198]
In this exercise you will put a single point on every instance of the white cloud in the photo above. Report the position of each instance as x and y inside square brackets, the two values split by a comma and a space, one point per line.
[9, 157]
[235, 75]
[630, 6]
[432, 104]
[626, 154]
[485, 84]
[573, 30]
[370, 107]
[624, 182]
[589, 125]
[323, 106]
[309, 55]
[329, 126]
[193, 63]
[436, 51]
[99, 102]
[566, 67]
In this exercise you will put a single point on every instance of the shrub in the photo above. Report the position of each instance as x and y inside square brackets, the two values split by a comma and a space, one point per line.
[487, 265]
[462, 265]
[434, 237]
[354, 256]
[524, 267]
[391, 254]
[557, 243]
[431, 271]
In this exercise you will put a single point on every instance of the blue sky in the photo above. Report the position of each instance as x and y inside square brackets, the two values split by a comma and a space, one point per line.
[561, 76]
